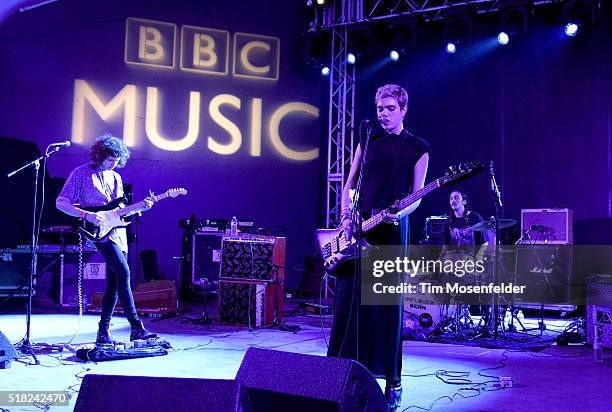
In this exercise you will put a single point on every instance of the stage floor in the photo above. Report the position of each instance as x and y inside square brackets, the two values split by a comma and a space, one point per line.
[556, 378]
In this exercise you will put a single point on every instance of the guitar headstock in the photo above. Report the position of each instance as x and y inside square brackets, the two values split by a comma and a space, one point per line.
[176, 192]
[462, 171]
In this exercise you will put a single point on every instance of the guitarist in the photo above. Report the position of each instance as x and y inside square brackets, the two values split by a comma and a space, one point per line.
[97, 184]
[396, 165]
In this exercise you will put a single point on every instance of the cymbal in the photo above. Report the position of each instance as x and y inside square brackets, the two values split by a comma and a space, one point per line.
[490, 224]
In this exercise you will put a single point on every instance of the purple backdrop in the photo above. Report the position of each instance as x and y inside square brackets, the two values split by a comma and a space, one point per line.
[43, 52]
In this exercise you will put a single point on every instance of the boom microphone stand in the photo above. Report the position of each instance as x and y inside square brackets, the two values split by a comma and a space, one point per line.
[357, 223]
[26, 343]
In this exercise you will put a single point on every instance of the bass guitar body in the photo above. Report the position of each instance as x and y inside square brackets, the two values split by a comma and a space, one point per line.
[338, 252]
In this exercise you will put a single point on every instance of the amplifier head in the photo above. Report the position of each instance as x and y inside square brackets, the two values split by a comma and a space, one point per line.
[548, 226]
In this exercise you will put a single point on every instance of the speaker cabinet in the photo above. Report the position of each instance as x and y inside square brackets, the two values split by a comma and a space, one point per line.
[546, 271]
[250, 303]
[206, 258]
[285, 381]
[93, 282]
[159, 394]
[599, 297]
[13, 277]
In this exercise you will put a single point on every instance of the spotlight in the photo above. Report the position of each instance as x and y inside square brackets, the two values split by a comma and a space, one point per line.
[325, 71]
[350, 58]
[571, 29]
[320, 2]
[451, 48]
[503, 38]
[394, 55]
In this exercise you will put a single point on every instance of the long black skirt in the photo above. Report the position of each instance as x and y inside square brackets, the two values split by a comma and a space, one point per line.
[369, 334]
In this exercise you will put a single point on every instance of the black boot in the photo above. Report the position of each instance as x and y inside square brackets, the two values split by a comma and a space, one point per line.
[103, 335]
[393, 394]
[139, 331]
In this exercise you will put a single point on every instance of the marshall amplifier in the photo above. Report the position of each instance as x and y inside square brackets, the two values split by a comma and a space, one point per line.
[548, 226]
[250, 303]
[546, 271]
[253, 258]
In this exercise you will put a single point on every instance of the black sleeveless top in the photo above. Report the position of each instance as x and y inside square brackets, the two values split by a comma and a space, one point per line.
[389, 170]
[389, 174]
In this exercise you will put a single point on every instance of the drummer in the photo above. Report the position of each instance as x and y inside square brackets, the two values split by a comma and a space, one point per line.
[460, 238]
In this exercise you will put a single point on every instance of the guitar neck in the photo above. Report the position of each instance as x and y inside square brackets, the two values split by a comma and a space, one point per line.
[140, 206]
[375, 220]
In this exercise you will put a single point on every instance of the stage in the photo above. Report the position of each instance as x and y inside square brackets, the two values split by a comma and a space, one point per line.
[553, 378]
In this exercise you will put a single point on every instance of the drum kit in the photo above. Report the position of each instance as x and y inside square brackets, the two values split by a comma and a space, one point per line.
[431, 315]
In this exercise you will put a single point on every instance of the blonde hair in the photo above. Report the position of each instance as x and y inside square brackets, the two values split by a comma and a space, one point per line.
[393, 90]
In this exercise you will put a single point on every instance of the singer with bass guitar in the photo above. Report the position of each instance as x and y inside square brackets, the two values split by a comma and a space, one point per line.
[97, 184]
[395, 165]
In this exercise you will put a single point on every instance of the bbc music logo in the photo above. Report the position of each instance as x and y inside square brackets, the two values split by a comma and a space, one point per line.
[201, 50]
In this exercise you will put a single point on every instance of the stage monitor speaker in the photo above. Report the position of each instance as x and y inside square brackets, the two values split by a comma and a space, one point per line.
[546, 271]
[548, 226]
[599, 294]
[159, 394]
[7, 352]
[285, 381]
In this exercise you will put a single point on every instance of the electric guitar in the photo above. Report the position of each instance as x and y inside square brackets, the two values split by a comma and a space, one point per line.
[336, 247]
[114, 216]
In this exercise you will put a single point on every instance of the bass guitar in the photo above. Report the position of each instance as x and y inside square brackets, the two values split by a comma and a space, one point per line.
[336, 247]
[114, 216]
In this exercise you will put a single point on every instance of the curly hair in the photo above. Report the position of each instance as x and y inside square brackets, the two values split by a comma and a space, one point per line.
[109, 145]
[392, 90]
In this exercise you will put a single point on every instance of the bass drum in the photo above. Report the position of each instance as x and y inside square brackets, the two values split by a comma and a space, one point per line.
[424, 313]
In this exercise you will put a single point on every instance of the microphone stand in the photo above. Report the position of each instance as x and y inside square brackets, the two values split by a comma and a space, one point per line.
[498, 205]
[26, 343]
[513, 312]
[357, 223]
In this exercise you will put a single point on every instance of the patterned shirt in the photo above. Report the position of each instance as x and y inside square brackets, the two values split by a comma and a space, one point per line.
[87, 186]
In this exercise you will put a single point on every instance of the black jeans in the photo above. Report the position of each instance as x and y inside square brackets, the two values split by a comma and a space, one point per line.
[117, 283]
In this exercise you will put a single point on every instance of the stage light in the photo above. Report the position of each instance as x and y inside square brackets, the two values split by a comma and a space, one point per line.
[451, 48]
[571, 29]
[325, 71]
[350, 58]
[394, 55]
[320, 2]
[503, 38]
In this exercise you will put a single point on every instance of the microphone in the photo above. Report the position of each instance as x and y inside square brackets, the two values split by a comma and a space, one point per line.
[539, 228]
[369, 121]
[65, 143]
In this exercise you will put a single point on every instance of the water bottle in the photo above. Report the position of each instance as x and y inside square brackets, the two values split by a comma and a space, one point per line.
[520, 316]
[598, 345]
[234, 226]
[507, 318]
